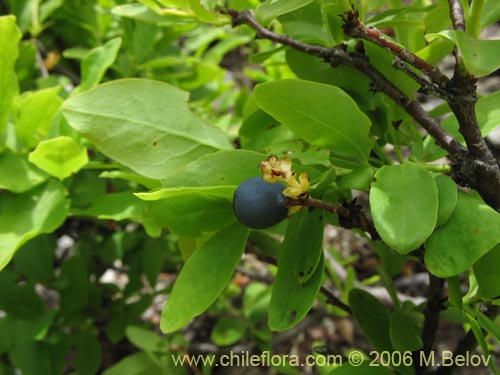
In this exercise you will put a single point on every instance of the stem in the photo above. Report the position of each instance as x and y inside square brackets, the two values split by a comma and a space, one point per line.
[356, 29]
[350, 214]
[432, 312]
[338, 55]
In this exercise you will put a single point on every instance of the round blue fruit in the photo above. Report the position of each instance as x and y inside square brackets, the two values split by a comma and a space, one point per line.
[259, 204]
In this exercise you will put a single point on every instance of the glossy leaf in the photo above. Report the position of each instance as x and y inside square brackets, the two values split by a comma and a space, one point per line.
[487, 275]
[373, 318]
[214, 191]
[113, 206]
[359, 179]
[136, 364]
[213, 170]
[146, 340]
[271, 9]
[404, 206]
[96, 62]
[59, 157]
[480, 57]
[188, 215]
[10, 35]
[488, 118]
[17, 174]
[291, 300]
[320, 114]
[203, 277]
[447, 195]
[405, 331]
[123, 119]
[472, 230]
[35, 112]
[227, 331]
[23, 216]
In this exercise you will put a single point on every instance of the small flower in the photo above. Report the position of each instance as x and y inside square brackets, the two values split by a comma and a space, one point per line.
[297, 190]
[275, 170]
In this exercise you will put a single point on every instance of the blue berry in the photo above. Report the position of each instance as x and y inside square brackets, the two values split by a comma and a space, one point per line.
[259, 204]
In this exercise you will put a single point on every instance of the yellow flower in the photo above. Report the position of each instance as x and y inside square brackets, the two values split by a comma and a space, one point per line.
[275, 170]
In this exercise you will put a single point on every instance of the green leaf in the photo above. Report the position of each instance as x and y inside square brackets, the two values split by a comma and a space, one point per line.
[359, 179]
[487, 275]
[34, 115]
[373, 318]
[228, 331]
[214, 191]
[320, 114]
[300, 270]
[405, 331]
[142, 13]
[490, 13]
[96, 62]
[203, 277]
[488, 118]
[455, 291]
[480, 57]
[146, 340]
[188, 215]
[24, 216]
[59, 157]
[271, 9]
[10, 35]
[113, 206]
[123, 119]
[290, 300]
[488, 325]
[212, 169]
[17, 174]
[135, 364]
[89, 354]
[447, 196]
[35, 259]
[404, 206]
[472, 230]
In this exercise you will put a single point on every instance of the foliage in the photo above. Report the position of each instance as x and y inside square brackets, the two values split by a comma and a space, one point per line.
[126, 126]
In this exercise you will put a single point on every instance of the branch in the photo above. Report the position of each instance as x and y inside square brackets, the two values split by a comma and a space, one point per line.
[432, 312]
[350, 214]
[353, 27]
[458, 22]
[338, 55]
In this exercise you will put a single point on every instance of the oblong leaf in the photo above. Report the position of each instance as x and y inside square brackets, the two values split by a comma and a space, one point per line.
[320, 114]
[487, 275]
[124, 119]
[405, 331]
[24, 216]
[480, 57]
[17, 174]
[404, 206]
[300, 269]
[187, 215]
[373, 318]
[270, 9]
[447, 195]
[10, 35]
[290, 300]
[472, 230]
[215, 191]
[59, 157]
[203, 277]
